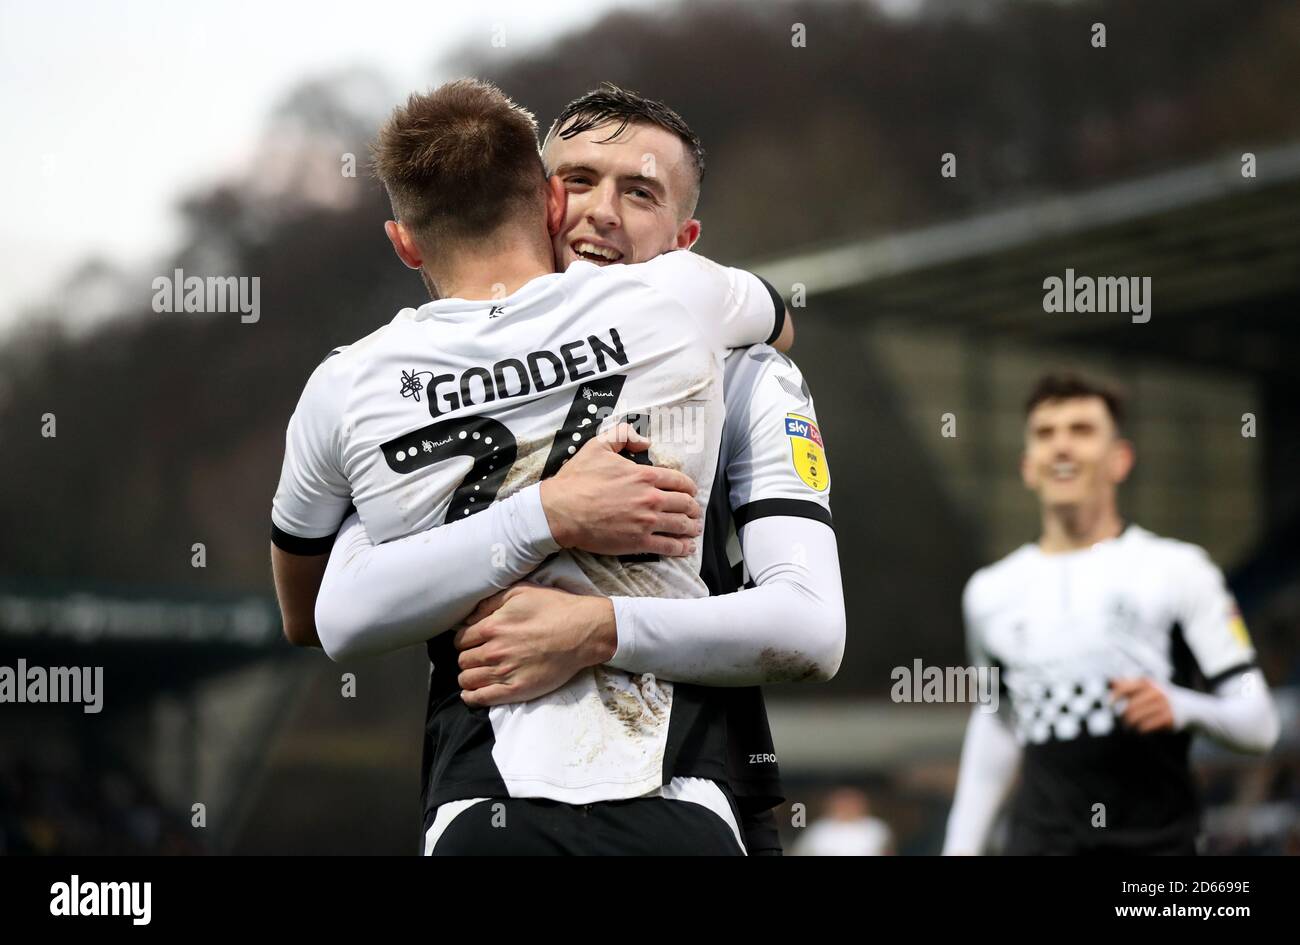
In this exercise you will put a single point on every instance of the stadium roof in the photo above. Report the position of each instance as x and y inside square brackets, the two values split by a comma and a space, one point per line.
[1223, 252]
[81, 617]
[146, 639]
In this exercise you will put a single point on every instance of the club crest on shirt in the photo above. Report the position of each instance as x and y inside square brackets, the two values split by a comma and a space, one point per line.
[1122, 617]
[807, 452]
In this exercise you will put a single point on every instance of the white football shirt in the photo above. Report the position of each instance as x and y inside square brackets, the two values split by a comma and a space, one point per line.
[1062, 626]
[459, 403]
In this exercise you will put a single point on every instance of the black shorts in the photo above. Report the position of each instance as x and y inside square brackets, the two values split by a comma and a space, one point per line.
[643, 826]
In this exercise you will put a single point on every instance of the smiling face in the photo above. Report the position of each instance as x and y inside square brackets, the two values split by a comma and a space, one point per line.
[629, 198]
[1074, 456]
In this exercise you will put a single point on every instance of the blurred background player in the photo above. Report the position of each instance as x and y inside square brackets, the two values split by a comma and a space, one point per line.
[1103, 634]
[846, 829]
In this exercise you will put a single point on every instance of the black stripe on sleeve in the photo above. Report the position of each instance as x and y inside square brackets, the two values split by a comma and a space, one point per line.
[1228, 673]
[795, 508]
[294, 545]
[779, 320]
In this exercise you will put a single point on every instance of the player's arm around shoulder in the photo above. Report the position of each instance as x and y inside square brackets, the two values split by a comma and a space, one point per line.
[784, 339]
[734, 307]
[787, 623]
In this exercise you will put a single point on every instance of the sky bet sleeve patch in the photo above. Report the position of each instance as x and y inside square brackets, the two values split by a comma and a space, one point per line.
[1238, 628]
[807, 451]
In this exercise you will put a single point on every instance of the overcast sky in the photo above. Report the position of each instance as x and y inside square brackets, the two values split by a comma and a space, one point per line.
[86, 86]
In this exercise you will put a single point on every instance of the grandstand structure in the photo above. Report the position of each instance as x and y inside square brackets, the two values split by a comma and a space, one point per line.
[192, 686]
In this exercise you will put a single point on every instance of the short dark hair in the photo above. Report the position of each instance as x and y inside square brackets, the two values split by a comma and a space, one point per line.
[609, 103]
[458, 162]
[1067, 385]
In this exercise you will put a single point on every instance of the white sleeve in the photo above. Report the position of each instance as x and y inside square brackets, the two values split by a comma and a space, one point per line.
[790, 627]
[990, 759]
[1240, 714]
[990, 754]
[377, 598]
[313, 494]
[1211, 623]
[775, 457]
[733, 307]
[976, 650]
